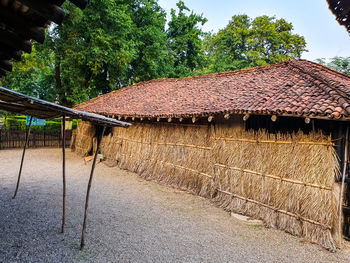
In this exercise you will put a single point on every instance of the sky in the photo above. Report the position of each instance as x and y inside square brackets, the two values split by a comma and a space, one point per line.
[311, 18]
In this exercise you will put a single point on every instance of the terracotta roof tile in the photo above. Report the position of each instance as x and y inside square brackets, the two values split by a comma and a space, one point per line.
[297, 87]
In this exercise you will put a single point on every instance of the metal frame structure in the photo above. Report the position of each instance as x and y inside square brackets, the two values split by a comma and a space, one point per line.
[20, 103]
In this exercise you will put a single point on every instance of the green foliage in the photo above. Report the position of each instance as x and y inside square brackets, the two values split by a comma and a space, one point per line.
[111, 44]
[19, 123]
[33, 75]
[115, 43]
[341, 64]
[185, 41]
[247, 42]
[152, 58]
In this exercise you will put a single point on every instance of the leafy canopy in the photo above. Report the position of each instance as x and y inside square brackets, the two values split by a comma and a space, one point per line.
[185, 40]
[247, 42]
[115, 43]
[341, 64]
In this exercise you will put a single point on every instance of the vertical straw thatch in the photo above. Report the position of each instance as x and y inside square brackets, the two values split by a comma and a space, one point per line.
[285, 180]
[178, 155]
[83, 138]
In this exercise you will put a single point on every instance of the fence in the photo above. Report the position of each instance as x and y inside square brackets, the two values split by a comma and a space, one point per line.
[16, 139]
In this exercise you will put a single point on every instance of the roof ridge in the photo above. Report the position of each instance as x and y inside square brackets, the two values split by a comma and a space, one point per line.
[91, 100]
[314, 90]
[322, 78]
[203, 76]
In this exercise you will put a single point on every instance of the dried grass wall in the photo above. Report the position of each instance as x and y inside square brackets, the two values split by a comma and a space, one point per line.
[179, 156]
[287, 181]
[82, 138]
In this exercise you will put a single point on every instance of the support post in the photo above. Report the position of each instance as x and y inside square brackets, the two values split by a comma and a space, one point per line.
[82, 243]
[63, 172]
[341, 193]
[24, 151]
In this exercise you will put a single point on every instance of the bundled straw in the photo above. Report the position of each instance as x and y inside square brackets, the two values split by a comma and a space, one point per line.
[291, 184]
[285, 180]
[83, 139]
[177, 155]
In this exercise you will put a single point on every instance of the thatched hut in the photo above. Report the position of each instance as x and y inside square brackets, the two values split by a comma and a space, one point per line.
[268, 142]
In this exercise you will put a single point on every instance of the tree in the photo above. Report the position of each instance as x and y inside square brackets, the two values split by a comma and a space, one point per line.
[92, 50]
[185, 40]
[111, 44]
[32, 75]
[341, 64]
[247, 42]
[152, 56]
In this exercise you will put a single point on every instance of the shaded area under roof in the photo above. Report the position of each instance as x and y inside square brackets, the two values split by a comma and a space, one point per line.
[19, 103]
[341, 9]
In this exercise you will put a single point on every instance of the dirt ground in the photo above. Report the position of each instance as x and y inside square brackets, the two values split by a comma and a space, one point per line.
[130, 220]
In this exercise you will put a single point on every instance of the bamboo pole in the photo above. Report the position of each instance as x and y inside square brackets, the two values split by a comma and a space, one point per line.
[171, 164]
[341, 193]
[166, 143]
[64, 173]
[270, 141]
[82, 242]
[22, 160]
[323, 187]
[276, 209]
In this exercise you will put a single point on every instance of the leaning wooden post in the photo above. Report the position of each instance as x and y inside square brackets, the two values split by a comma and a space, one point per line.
[82, 243]
[341, 193]
[64, 172]
[24, 151]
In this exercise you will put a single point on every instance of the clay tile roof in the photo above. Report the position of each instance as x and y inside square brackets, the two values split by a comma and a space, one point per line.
[294, 87]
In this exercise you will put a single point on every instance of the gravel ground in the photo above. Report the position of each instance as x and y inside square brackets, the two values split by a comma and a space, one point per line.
[130, 220]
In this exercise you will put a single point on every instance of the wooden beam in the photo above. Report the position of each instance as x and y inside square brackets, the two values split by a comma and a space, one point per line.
[246, 117]
[50, 11]
[82, 241]
[6, 64]
[23, 153]
[341, 192]
[80, 3]
[12, 40]
[22, 25]
[63, 173]
[2, 72]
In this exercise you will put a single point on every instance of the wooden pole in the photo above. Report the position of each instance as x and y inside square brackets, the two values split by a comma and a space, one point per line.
[64, 172]
[82, 243]
[24, 151]
[341, 194]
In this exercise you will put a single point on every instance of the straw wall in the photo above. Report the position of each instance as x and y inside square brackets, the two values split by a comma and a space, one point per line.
[285, 180]
[179, 156]
[82, 138]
